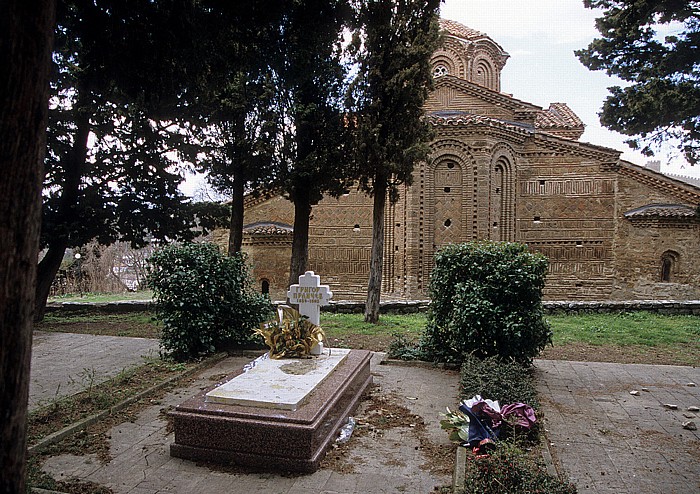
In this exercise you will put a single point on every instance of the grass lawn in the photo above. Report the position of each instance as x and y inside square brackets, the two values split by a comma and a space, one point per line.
[635, 337]
[350, 330]
[628, 328]
[627, 337]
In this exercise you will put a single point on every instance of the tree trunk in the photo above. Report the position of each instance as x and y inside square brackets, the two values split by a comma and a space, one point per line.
[235, 236]
[300, 239]
[374, 286]
[46, 273]
[26, 35]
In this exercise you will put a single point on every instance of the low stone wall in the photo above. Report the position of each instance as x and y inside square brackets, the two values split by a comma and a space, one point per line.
[413, 306]
[391, 306]
[120, 307]
[551, 307]
[658, 306]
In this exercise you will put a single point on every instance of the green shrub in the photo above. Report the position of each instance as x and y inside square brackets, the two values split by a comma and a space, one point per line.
[204, 298]
[496, 379]
[401, 348]
[508, 469]
[486, 299]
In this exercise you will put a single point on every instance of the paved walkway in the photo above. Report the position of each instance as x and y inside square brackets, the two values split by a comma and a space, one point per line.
[66, 363]
[609, 441]
[605, 439]
[394, 460]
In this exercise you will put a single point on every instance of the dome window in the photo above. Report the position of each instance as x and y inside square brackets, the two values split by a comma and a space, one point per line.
[440, 70]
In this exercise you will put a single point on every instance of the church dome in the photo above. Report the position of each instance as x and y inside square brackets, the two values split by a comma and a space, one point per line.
[459, 30]
[469, 55]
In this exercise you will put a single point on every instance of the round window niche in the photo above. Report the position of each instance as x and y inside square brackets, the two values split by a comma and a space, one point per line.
[440, 70]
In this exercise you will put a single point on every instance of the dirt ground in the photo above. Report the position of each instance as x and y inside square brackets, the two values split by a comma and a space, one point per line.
[632, 354]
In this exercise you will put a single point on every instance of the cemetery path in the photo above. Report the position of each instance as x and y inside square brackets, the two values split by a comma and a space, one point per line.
[606, 439]
[610, 440]
[64, 363]
[397, 446]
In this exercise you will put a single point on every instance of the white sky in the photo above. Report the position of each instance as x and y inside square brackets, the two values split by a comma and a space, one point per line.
[540, 38]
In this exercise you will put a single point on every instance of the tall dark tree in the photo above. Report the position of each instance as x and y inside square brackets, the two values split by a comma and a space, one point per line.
[662, 101]
[239, 149]
[239, 122]
[310, 76]
[26, 35]
[113, 129]
[394, 42]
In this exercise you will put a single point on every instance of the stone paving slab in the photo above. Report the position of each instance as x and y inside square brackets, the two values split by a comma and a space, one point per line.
[66, 363]
[390, 463]
[609, 441]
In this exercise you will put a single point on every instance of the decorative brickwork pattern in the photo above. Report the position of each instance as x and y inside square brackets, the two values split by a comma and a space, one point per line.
[501, 169]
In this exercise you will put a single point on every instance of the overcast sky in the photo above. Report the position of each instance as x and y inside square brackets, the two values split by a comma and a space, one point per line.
[540, 38]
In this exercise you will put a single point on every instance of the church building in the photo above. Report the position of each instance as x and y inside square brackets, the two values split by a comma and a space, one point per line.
[507, 170]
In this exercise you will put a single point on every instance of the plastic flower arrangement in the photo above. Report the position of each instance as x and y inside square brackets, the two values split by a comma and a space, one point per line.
[291, 335]
[457, 424]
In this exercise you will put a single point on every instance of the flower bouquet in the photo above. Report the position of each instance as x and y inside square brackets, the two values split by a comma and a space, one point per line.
[291, 335]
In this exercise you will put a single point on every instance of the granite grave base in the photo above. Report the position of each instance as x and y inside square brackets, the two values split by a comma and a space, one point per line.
[268, 438]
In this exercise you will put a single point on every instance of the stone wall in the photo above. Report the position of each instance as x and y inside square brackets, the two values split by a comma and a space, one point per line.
[566, 211]
[641, 244]
[269, 258]
[340, 240]
[669, 307]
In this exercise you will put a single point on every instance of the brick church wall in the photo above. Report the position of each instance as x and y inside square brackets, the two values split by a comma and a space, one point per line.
[642, 244]
[340, 239]
[496, 173]
[566, 211]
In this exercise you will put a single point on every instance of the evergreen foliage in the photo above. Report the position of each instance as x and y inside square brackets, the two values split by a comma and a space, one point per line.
[310, 76]
[234, 112]
[509, 469]
[205, 299]
[392, 44]
[654, 46]
[115, 125]
[494, 378]
[486, 301]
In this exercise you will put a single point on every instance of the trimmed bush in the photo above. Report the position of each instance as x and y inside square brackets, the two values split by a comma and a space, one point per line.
[205, 300]
[494, 378]
[487, 301]
[509, 470]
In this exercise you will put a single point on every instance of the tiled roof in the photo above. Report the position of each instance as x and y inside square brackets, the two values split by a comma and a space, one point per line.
[463, 118]
[459, 30]
[558, 116]
[268, 228]
[662, 211]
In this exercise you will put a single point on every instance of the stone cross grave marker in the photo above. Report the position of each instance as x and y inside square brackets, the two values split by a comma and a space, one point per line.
[310, 295]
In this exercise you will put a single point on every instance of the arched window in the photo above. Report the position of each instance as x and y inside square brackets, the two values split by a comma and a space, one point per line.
[484, 74]
[503, 201]
[265, 287]
[669, 262]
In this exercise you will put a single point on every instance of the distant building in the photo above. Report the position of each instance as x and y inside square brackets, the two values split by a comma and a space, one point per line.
[500, 169]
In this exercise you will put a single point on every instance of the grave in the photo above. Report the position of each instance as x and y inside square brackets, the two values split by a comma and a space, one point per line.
[277, 415]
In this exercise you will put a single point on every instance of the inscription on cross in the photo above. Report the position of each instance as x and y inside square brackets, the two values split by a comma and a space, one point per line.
[310, 295]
